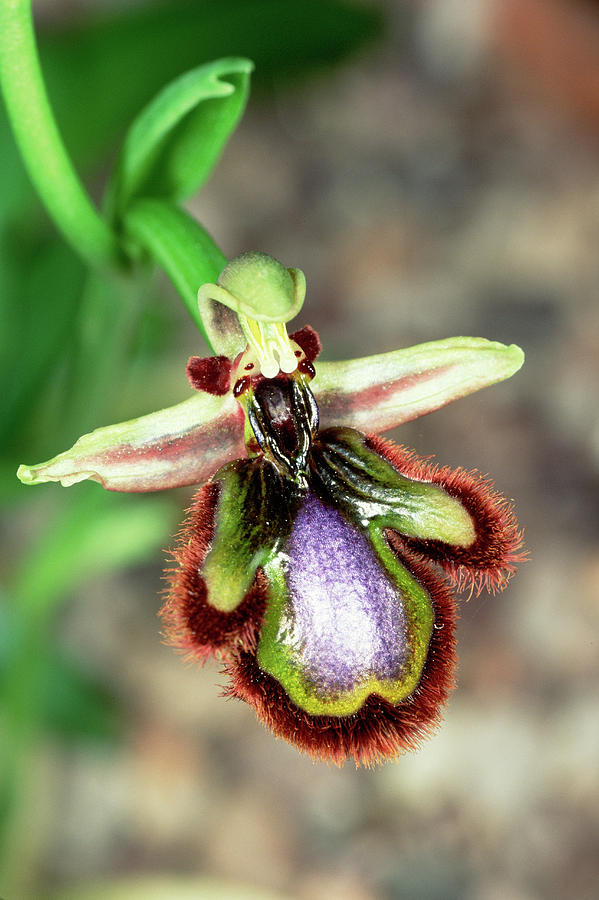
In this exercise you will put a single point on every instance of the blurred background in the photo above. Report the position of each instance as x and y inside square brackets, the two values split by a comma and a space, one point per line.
[433, 168]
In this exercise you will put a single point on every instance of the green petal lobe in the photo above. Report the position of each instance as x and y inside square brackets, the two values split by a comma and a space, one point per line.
[253, 515]
[368, 489]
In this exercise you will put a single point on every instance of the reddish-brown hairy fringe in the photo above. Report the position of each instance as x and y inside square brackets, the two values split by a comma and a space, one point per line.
[211, 374]
[308, 340]
[192, 625]
[492, 558]
[379, 730]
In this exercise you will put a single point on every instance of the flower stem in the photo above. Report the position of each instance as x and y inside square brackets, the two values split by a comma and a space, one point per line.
[39, 140]
[177, 243]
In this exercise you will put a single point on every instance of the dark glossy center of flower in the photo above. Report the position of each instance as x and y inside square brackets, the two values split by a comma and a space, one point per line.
[284, 418]
[345, 620]
[275, 399]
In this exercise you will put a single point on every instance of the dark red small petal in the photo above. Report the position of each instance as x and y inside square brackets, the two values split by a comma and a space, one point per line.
[192, 625]
[308, 340]
[211, 375]
[492, 558]
[379, 730]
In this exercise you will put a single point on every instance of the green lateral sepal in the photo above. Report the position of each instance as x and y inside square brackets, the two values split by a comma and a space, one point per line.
[376, 393]
[181, 445]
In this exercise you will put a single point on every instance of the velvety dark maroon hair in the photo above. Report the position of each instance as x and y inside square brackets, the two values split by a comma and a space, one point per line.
[307, 338]
[379, 730]
[211, 374]
[191, 624]
[490, 561]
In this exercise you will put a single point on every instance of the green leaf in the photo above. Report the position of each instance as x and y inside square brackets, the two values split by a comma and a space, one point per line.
[39, 328]
[40, 143]
[76, 704]
[173, 144]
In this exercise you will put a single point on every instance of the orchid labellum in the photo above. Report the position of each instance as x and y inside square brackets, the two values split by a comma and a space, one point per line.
[318, 561]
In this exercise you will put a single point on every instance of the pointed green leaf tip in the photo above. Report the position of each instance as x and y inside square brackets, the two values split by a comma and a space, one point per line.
[174, 143]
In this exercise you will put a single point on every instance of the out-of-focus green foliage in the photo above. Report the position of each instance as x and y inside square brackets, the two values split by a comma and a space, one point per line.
[97, 533]
[46, 284]
[73, 703]
[93, 534]
[113, 65]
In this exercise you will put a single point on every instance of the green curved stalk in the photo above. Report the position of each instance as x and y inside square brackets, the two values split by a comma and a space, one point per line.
[179, 244]
[39, 140]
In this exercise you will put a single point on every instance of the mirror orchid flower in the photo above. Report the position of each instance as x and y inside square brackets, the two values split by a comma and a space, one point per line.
[318, 561]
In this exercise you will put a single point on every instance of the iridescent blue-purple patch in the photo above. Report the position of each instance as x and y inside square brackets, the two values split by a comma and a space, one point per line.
[345, 620]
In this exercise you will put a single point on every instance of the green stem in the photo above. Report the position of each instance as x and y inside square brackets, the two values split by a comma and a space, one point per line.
[179, 244]
[39, 140]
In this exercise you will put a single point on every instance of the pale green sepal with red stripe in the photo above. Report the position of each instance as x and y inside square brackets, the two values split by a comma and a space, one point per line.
[181, 445]
[376, 393]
